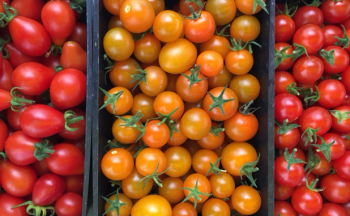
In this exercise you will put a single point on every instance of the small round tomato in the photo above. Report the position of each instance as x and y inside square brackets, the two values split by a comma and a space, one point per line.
[246, 200]
[202, 160]
[112, 6]
[332, 93]
[154, 82]
[306, 201]
[118, 44]
[336, 150]
[211, 63]
[341, 165]
[144, 104]
[203, 185]
[178, 161]
[308, 15]
[286, 62]
[241, 127]
[222, 185]
[124, 210]
[330, 33]
[117, 164]
[316, 118]
[184, 7]
[214, 139]
[172, 189]
[239, 62]
[168, 26]
[282, 192]
[246, 87]
[287, 107]
[222, 79]
[195, 124]
[336, 188]
[118, 100]
[284, 28]
[216, 43]
[245, 27]
[215, 207]
[332, 209]
[177, 138]
[168, 101]
[69, 204]
[310, 36]
[323, 167]
[283, 208]
[282, 80]
[335, 12]
[133, 188]
[147, 49]
[223, 11]
[345, 78]
[289, 139]
[289, 178]
[184, 209]
[152, 205]
[341, 60]
[120, 74]
[125, 134]
[201, 28]
[247, 6]
[148, 160]
[308, 70]
[114, 21]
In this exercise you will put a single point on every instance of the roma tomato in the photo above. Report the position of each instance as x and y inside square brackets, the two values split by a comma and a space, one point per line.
[74, 183]
[13, 117]
[59, 20]
[3, 134]
[6, 203]
[40, 168]
[336, 188]
[67, 159]
[79, 35]
[6, 76]
[311, 37]
[16, 57]
[117, 164]
[199, 27]
[30, 9]
[47, 189]
[73, 56]
[195, 124]
[152, 204]
[335, 12]
[69, 204]
[68, 89]
[246, 200]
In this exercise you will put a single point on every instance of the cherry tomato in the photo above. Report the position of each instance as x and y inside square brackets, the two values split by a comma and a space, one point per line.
[287, 107]
[287, 62]
[184, 209]
[222, 185]
[79, 34]
[6, 203]
[195, 124]
[245, 27]
[332, 93]
[168, 26]
[152, 204]
[47, 189]
[335, 12]
[124, 210]
[284, 28]
[143, 103]
[222, 79]
[117, 164]
[178, 160]
[289, 139]
[203, 185]
[282, 80]
[215, 207]
[338, 147]
[74, 183]
[341, 60]
[341, 165]
[306, 201]
[285, 178]
[166, 102]
[308, 15]
[283, 208]
[118, 44]
[336, 188]
[133, 188]
[330, 32]
[310, 36]
[147, 49]
[239, 62]
[308, 70]
[125, 134]
[316, 118]
[222, 11]
[246, 200]
[201, 28]
[211, 63]
[184, 7]
[332, 209]
[172, 190]
[216, 43]
[282, 192]
[69, 204]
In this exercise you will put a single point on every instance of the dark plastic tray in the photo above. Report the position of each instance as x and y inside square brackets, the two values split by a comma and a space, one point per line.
[264, 140]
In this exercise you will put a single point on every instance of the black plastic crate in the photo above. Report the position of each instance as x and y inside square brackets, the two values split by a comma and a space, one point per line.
[263, 69]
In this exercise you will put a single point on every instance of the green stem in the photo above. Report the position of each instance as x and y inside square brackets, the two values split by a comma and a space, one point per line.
[70, 118]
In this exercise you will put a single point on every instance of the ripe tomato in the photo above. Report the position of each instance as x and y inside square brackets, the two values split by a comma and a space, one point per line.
[3, 134]
[47, 189]
[287, 107]
[177, 56]
[118, 100]
[79, 34]
[137, 16]
[184, 209]
[211, 63]
[336, 188]
[330, 33]
[310, 36]
[283, 208]
[282, 192]
[286, 62]
[246, 87]
[147, 49]
[124, 210]
[195, 124]
[216, 207]
[166, 102]
[336, 150]
[153, 81]
[316, 118]
[201, 161]
[285, 178]
[168, 26]
[73, 56]
[235, 155]
[214, 139]
[310, 177]
[143, 103]
[306, 201]
[308, 70]
[113, 7]
[220, 80]
[222, 11]
[74, 184]
[345, 78]
[133, 188]
[239, 62]
[335, 12]
[30, 9]
[117, 164]
[247, 6]
[178, 161]
[199, 27]
[246, 200]
[184, 7]
[284, 28]
[172, 190]
[332, 209]
[332, 93]
[125, 134]
[203, 185]
[245, 27]
[69, 204]
[152, 204]
[323, 167]
[150, 160]
[289, 139]
[6, 203]
[6, 76]
[282, 80]
[341, 165]
[308, 15]
[222, 185]
[341, 60]
[118, 44]
[216, 43]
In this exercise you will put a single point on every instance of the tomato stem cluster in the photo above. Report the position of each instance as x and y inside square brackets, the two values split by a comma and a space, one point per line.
[36, 210]
[194, 192]
[43, 149]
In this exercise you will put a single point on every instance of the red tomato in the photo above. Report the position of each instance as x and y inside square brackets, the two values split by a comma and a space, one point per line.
[336, 188]
[316, 118]
[284, 28]
[200, 29]
[287, 62]
[332, 93]
[345, 78]
[308, 70]
[30, 8]
[336, 150]
[6, 76]
[47, 189]
[69, 204]
[282, 192]
[80, 127]
[341, 60]
[73, 56]
[285, 178]
[79, 34]
[67, 159]
[311, 37]
[287, 107]
[332, 209]
[74, 183]
[40, 167]
[330, 32]
[342, 165]
[306, 201]
[289, 139]
[308, 15]
[6, 203]
[282, 80]
[335, 12]
[283, 208]
[341, 119]
[16, 57]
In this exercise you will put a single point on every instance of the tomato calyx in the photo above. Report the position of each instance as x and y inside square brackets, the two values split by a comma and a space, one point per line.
[17, 102]
[281, 55]
[193, 78]
[131, 122]
[261, 3]
[139, 148]
[248, 169]
[54, 50]
[298, 51]
[36, 210]
[237, 46]
[325, 148]
[222, 31]
[6, 17]
[289, 10]
[166, 118]
[219, 101]
[115, 204]
[285, 127]
[116, 144]
[310, 132]
[344, 41]
[310, 96]
[347, 137]
[43, 149]
[312, 185]
[291, 159]
[314, 3]
[194, 192]
[194, 14]
[140, 36]
[139, 77]
[78, 5]
[340, 115]
[3, 41]
[3, 155]
[215, 130]
[111, 99]
[294, 89]
[214, 168]
[312, 161]
[70, 118]
[154, 176]
[327, 55]
[245, 109]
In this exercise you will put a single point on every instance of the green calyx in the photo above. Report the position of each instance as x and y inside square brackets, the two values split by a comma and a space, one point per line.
[195, 14]
[140, 36]
[281, 55]
[314, 3]
[194, 192]
[325, 148]
[166, 118]
[240, 45]
[132, 122]
[17, 102]
[294, 89]
[298, 51]
[311, 135]
[8, 15]
[109, 67]
[344, 41]
[78, 5]
[219, 101]
[289, 9]
[139, 148]
[116, 204]
[291, 159]
[310, 96]
[248, 169]
[3, 41]
[194, 76]
[3, 155]
[222, 32]
[245, 109]
[111, 99]
[43, 149]
[214, 168]
[116, 144]
[327, 55]
[312, 185]
[154, 176]
[215, 130]
[285, 127]
[340, 115]
[139, 77]
[54, 50]
[261, 3]
[58, 68]
[70, 117]
[36, 210]
[312, 161]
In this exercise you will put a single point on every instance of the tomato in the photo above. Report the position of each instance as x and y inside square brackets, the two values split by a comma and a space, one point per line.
[330, 32]
[6, 203]
[137, 16]
[289, 139]
[150, 161]
[16, 57]
[335, 12]
[80, 127]
[285, 178]
[222, 185]
[12, 176]
[120, 74]
[13, 117]
[332, 209]
[124, 210]
[336, 150]
[214, 139]
[184, 7]
[332, 93]
[153, 81]
[152, 205]
[199, 27]
[172, 189]
[112, 6]
[222, 79]
[306, 201]
[59, 21]
[118, 44]
[336, 188]
[147, 49]
[40, 167]
[308, 70]
[143, 103]
[246, 87]
[284, 28]
[69, 204]
[117, 164]
[178, 161]
[246, 200]
[67, 159]
[283, 208]
[308, 15]
[311, 37]
[286, 62]
[192, 85]
[341, 165]
[241, 127]
[125, 134]
[177, 56]
[6, 76]
[74, 183]
[222, 11]
[118, 100]
[245, 27]
[216, 43]
[239, 62]
[345, 78]
[282, 80]
[316, 118]
[323, 167]
[47, 189]
[211, 63]
[287, 107]
[79, 34]
[346, 206]
[247, 7]
[341, 60]
[168, 26]
[282, 192]
[52, 61]
[215, 207]
[73, 56]
[184, 209]
[30, 9]
[235, 155]
[195, 124]
[202, 160]
[166, 102]
[177, 138]
[203, 185]
[310, 177]
[133, 188]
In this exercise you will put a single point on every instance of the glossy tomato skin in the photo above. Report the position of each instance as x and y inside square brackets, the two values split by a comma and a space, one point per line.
[73, 56]
[341, 60]
[172, 190]
[201, 29]
[316, 117]
[59, 20]
[287, 63]
[336, 188]
[6, 76]
[335, 12]
[291, 178]
[202, 183]
[132, 188]
[118, 44]
[13, 118]
[223, 11]
[41, 121]
[342, 165]
[310, 36]
[337, 149]
[66, 160]
[80, 127]
[68, 89]
[345, 78]
[215, 206]
[246, 200]
[284, 208]
[287, 106]
[284, 28]
[184, 209]
[152, 204]
[69, 204]
[283, 192]
[241, 127]
[3, 134]
[306, 202]
[16, 57]
[161, 24]
[37, 41]
[332, 209]
[288, 140]
[47, 189]
[195, 124]
[308, 15]
[179, 160]
[308, 70]
[40, 167]
[330, 32]
[282, 80]
[222, 185]
[332, 93]
[30, 9]
[7, 201]
[12, 176]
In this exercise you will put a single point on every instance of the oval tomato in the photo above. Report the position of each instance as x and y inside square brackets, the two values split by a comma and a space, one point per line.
[69, 204]
[47, 189]
[6, 203]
